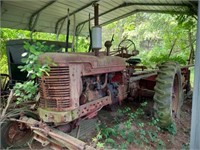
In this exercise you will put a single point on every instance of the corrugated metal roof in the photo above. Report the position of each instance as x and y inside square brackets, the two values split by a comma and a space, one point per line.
[48, 15]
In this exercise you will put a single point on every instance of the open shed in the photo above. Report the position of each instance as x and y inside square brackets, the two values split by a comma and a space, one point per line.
[50, 16]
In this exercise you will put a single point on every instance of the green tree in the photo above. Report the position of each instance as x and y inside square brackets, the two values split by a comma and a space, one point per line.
[11, 34]
[156, 36]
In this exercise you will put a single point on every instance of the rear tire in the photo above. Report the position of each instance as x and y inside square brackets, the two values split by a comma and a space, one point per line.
[168, 97]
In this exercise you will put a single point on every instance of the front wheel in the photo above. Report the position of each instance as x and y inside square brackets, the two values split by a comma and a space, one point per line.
[168, 97]
[15, 134]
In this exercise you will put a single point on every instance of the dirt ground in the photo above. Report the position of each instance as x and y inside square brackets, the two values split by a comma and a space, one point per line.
[181, 139]
[178, 141]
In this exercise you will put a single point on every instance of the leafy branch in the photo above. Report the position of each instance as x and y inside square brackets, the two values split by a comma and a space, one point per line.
[27, 90]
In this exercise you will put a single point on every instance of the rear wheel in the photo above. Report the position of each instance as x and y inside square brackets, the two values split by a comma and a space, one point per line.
[168, 97]
[15, 134]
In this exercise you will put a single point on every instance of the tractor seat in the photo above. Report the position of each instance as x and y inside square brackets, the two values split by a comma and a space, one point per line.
[133, 61]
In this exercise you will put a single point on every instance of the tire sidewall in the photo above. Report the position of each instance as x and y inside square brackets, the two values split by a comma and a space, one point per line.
[163, 101]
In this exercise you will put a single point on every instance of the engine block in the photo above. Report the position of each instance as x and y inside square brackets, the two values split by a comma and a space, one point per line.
[80, 85]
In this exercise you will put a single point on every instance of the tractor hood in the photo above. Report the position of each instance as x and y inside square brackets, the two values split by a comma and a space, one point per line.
[74, 58]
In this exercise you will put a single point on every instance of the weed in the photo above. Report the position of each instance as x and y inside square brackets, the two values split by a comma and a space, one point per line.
[172, 129]
[130, 129]
[185, 146]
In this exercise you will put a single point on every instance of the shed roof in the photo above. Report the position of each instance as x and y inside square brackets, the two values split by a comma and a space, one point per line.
[48, 15]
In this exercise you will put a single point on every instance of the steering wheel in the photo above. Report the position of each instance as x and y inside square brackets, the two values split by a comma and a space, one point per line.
[123, 47]
[126, 44]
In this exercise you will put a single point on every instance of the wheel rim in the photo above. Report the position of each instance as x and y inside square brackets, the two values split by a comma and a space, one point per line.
[17, 134]
[126, 44]
[175, 97]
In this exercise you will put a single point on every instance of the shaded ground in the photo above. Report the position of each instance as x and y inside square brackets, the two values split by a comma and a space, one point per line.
[89, 134]
[178, 141]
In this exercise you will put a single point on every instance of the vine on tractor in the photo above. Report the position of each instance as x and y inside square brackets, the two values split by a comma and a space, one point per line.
[27, 91]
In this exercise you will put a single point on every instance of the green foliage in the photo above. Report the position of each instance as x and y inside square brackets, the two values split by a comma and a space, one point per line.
[152, 58]
[100, 145]
[31, 60]
[12, 34]
[122, 133]
[172, 129]
[186, 21]
[83, 45]
[156, 35]
[27, 90]
[185, 146]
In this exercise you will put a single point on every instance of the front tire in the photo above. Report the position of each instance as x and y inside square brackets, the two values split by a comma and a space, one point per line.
[14, 134]
[168, 97]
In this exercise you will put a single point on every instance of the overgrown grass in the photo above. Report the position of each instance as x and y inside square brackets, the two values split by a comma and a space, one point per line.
[127, 129]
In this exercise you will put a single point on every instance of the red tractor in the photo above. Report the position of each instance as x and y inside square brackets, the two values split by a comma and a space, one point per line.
[81, 84]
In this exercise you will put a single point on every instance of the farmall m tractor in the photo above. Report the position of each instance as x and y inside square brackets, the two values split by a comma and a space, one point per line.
[81, 84]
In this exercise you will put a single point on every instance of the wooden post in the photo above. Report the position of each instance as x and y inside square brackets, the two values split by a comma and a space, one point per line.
[195, 123]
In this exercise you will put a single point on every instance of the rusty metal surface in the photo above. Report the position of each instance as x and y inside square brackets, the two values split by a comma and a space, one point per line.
[89, 110]
[62, 90]
[86, 127]
[55, 89]
[54, 137]
[93, 107]
[97, 65]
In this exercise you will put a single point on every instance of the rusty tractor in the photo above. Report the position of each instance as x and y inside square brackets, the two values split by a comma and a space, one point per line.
[81, 84]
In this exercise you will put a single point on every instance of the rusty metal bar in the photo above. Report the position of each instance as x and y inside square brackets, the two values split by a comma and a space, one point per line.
[99, 16]
[74, 31]
[155, 70]
[132, 79]
[96, 14]
[145, 72]
[67, 140]
[96, 23]
[67, 33]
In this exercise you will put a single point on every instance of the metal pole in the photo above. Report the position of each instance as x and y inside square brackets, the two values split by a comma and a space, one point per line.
[67, 34]
[74, 32]
[195, 122]
[96, 14]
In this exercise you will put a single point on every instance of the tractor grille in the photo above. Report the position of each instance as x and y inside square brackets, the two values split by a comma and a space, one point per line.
[55, 89]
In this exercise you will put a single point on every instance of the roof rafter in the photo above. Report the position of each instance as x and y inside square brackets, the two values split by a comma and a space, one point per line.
[72, 13]
[126, 4]
[141, 10]
[36, 14]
